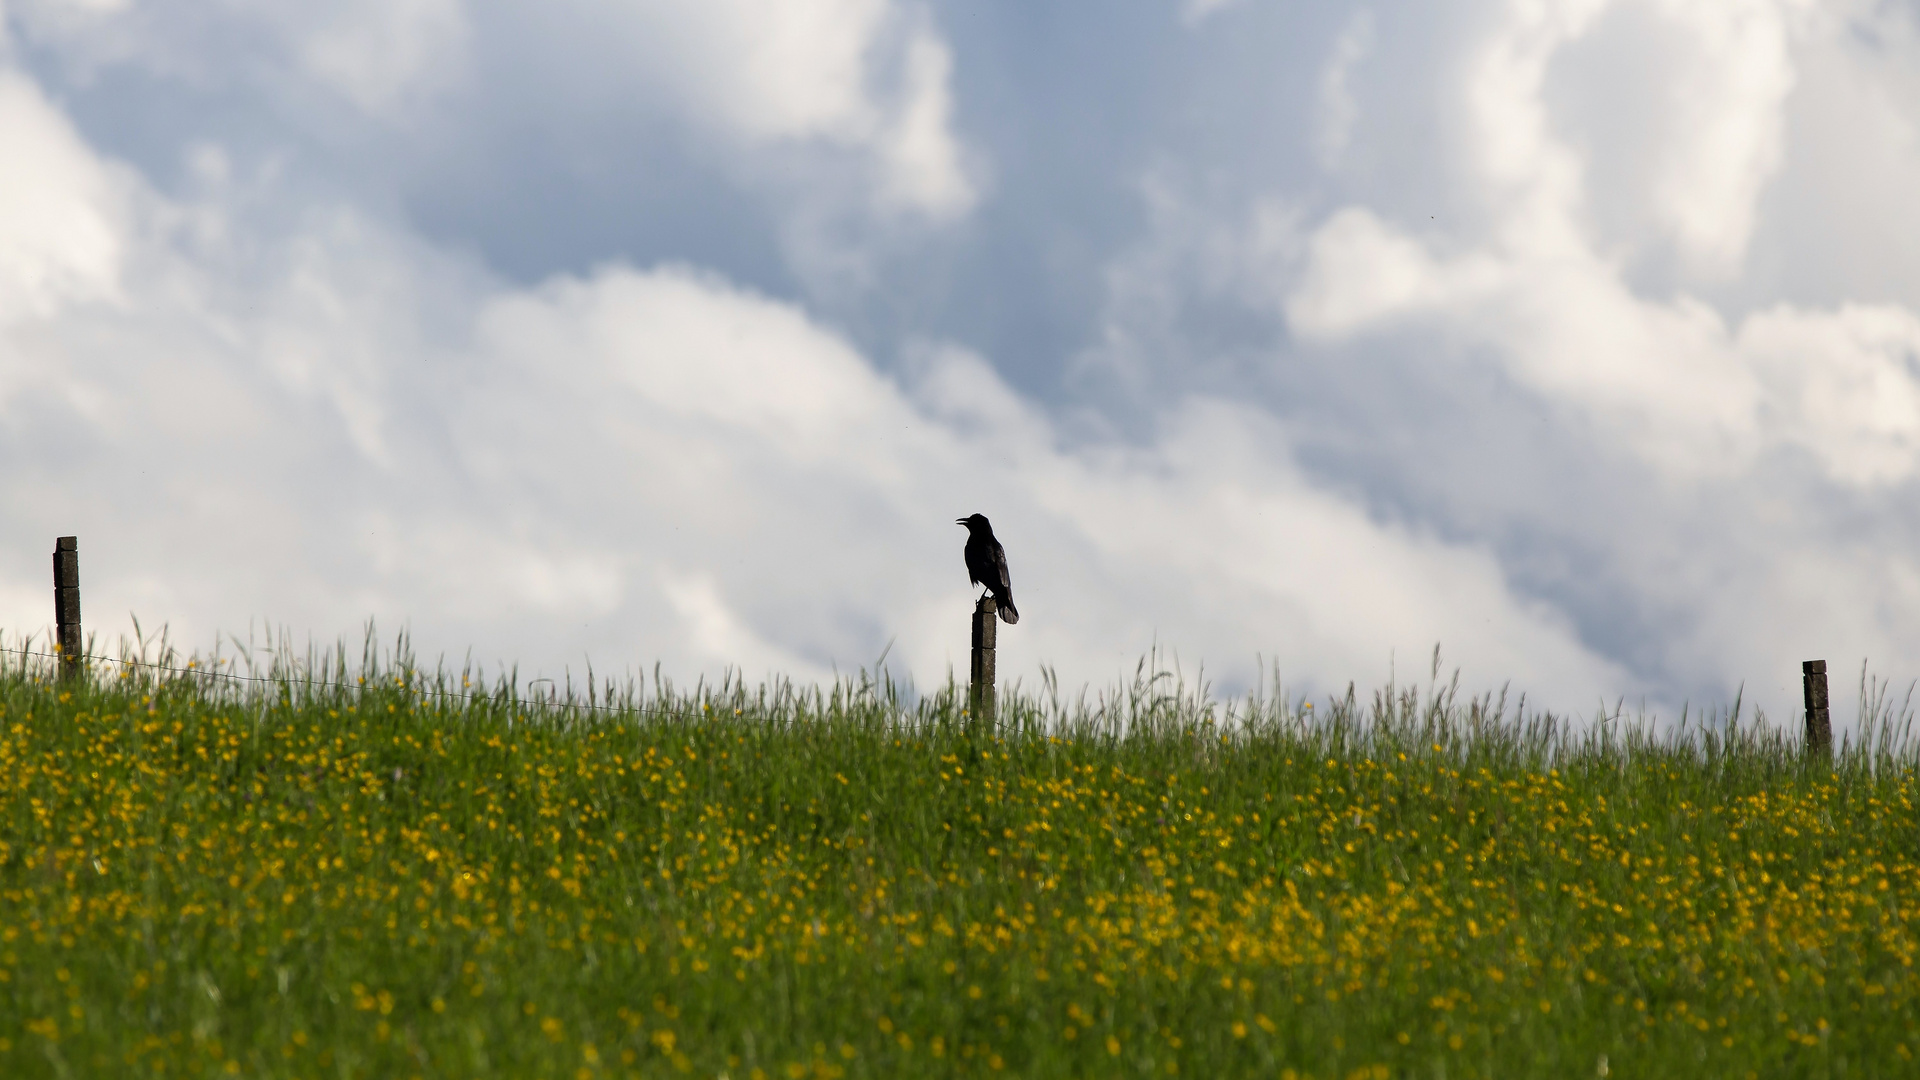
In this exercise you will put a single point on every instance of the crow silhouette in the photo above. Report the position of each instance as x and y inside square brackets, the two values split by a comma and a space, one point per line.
[987, 565]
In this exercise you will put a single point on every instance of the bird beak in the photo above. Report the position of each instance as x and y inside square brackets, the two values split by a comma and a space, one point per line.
[959, 521]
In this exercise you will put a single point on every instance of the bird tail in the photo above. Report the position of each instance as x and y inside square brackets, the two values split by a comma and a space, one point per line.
[1008, 613]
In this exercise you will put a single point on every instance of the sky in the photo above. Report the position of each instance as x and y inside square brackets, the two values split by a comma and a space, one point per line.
[1580, 339]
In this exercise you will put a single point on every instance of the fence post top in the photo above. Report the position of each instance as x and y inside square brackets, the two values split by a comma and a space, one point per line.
[67, 543]
[1813, 667]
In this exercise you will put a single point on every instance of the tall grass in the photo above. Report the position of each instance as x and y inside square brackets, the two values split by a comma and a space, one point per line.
[338, 864]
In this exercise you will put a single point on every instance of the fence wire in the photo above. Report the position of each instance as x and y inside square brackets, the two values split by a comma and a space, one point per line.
[306, 679]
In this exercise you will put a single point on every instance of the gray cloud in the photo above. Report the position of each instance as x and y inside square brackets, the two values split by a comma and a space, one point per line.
[669, 332]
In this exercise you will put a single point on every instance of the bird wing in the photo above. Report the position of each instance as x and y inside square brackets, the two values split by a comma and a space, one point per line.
[1000, 561]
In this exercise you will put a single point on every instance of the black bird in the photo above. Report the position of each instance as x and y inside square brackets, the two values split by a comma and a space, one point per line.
[987, 565]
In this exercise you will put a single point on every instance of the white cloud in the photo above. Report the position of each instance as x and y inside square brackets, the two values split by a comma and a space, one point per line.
[867, 74]
[1530, 179]
[1667, 377]
[818, 492]
[383, 56]
[1844, 385]
[1361, 271]
[693, 347]
[723, 641]
[378, 53]
[338, 423]
[1730, 469]
[1729, 125]
[1674, 111]
[866, 78]
[1338, 108]
[783, 71]
[1594, 333]
[1663, 377]
[925, 169]
[1832, 223]
[60, 209]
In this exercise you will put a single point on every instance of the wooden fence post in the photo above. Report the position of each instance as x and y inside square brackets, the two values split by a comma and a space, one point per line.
[1813, 680]
[66, 604]
[980, 687]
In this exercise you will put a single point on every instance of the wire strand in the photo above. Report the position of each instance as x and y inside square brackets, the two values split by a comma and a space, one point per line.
[361, 686]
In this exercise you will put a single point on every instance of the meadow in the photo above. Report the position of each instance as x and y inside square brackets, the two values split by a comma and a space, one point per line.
[358, 869]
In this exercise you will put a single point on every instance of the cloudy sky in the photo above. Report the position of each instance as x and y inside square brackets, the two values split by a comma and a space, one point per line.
[1581, 338]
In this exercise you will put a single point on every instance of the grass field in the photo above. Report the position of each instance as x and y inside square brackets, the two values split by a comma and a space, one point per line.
[391, 879]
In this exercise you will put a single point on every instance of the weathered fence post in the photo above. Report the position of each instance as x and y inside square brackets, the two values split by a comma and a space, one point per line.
[66, 603]
[1813, 679]
[980, 688]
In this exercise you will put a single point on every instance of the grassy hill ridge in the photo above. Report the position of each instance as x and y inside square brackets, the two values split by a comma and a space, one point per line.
[371, 873]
